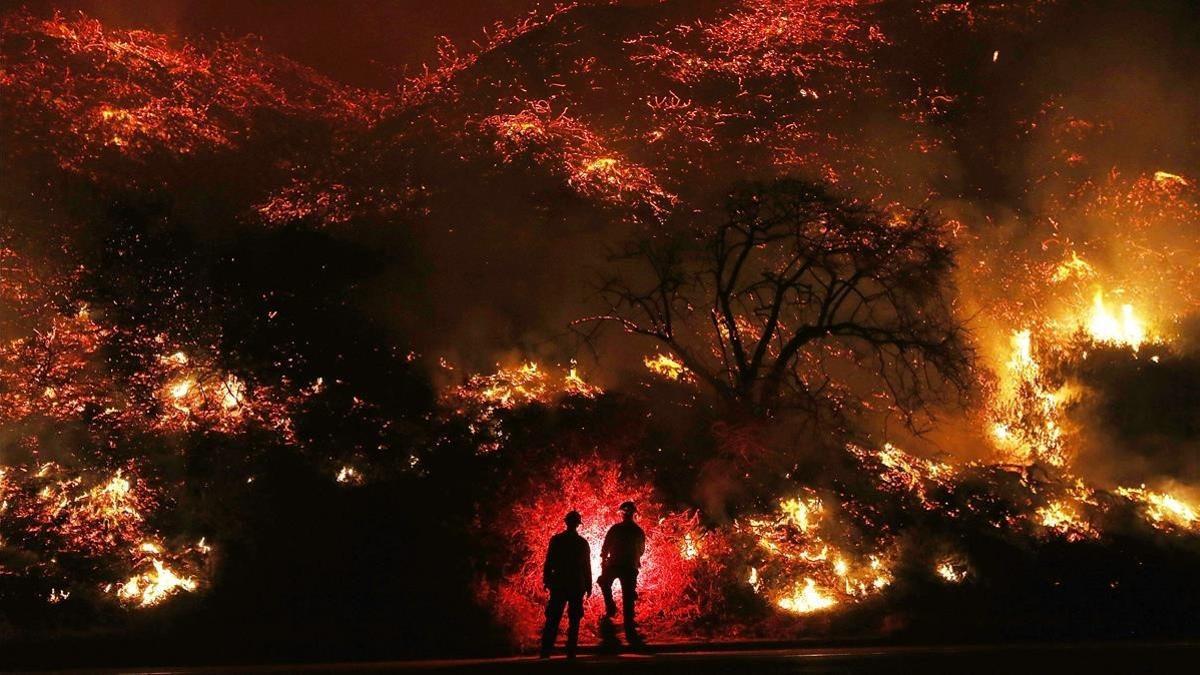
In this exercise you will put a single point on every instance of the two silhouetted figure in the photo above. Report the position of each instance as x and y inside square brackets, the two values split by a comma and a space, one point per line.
[567, 574]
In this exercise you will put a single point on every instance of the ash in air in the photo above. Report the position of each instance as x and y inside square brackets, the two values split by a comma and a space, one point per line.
[882, 314]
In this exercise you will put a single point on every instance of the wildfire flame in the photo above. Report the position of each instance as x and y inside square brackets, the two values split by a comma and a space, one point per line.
[797, 511]
[155, 585]
[483, 397]
[951, 571]
[667, 367]
[1026, 410]
[798, 545]
[1164, 511]
[1063, 518]
[806, 599]
[1103, 326]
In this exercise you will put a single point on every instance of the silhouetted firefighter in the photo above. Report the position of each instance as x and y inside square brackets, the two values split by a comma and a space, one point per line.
[568, 576]
[621, 558]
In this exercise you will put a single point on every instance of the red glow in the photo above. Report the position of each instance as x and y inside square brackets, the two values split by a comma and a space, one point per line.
[595, 488]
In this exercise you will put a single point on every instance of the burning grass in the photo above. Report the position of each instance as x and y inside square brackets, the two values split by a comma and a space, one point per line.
[483, 399]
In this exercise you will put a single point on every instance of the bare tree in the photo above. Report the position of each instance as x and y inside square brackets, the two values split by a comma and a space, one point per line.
[796, 295]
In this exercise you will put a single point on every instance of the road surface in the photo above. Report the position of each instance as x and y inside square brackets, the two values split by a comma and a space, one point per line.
[1019, 659]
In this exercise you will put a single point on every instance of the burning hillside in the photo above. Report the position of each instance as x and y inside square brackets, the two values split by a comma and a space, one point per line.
[874, 312]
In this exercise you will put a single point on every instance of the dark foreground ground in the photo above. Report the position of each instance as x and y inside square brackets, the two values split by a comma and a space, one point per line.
[1021, 659]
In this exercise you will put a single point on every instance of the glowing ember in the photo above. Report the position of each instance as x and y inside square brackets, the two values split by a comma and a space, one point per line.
[689, 549]
[902, 472]
[1164, 178]
[580, 156]
[951, 571]
[482, 398]
[348, 475]
[513, 387]
[137, 94]
[106, 517]
[197, 395]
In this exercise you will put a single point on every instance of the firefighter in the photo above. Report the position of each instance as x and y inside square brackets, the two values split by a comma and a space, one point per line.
[567, 574]
[620, 559]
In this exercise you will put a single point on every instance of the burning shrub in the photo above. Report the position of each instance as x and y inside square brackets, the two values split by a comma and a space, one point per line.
[579, 155]
[76, 532]
[483, 399]
[136, 93]
[803, 565]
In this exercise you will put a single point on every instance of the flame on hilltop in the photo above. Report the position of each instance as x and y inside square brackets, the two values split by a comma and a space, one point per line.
[1104, 327]
[1164, 511]
[482, 398]
[1027, 413]
[526, 384]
